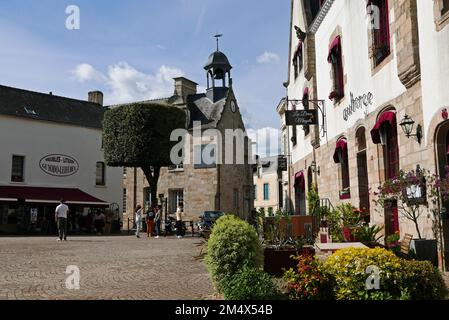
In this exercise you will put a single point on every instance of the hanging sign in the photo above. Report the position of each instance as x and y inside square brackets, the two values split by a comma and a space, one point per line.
[301, 117]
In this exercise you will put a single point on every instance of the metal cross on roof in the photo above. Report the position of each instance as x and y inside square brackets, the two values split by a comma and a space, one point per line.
[218, 36]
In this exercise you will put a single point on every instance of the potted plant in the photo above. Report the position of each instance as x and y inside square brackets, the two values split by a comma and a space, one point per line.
[409, 190]
[279, 246]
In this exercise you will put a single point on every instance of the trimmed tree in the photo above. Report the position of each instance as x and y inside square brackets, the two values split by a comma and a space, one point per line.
[138, 136]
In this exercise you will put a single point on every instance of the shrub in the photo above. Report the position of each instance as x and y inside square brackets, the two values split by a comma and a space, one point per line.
[349, 268]
[309, 281]
[250, 284]
[422, 280]
[232, 245]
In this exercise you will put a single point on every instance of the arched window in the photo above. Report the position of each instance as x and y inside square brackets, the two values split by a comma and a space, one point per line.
[100, 179]
[385, 133]
[341, 157]
[362, 171]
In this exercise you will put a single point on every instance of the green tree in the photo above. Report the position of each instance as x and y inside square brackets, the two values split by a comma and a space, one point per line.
[138, 136]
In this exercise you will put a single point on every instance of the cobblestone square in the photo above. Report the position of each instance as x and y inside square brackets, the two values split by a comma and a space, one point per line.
[120, 267]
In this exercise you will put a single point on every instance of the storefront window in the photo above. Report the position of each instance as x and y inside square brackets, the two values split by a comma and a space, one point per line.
[17, 172]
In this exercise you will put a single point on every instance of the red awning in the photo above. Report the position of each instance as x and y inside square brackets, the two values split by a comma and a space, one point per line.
[299, 180]
[49, 195]
[334, 47]
[387, 116]
[342, 146]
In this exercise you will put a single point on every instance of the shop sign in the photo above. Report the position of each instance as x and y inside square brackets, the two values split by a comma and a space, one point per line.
[301, 117]
[363, 101]
[282, 163]
[59, 165]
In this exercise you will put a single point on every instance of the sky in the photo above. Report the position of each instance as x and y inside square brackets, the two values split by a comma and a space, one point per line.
[132, 49]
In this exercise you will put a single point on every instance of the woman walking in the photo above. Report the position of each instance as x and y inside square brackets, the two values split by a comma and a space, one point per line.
[138, 220]
[157, 221]
[149, 218]
[179, 222]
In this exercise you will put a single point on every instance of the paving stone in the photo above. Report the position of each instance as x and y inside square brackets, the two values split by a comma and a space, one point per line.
[110, 268]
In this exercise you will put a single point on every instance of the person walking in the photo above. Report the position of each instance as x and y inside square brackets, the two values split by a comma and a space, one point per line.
[138, 220]
[99, 222]
[179, 223]
[157, 221]
[149, 218]
[61, 213]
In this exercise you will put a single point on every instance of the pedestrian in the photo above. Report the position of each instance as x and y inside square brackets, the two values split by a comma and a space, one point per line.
[157, 221]
[179, 223]
[108, 222]
[149, 219]
[138, 220]
[61, 213]
[99, 222]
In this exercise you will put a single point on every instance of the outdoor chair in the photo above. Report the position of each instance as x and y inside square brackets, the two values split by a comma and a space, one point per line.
[405, 244]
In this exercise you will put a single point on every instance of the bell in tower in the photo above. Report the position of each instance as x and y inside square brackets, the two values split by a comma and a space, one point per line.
[218, 75]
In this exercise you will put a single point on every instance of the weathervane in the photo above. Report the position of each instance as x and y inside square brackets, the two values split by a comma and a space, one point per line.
[218, 36]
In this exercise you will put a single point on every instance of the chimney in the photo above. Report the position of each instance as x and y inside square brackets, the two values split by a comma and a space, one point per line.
[184, 87]
[96, 97]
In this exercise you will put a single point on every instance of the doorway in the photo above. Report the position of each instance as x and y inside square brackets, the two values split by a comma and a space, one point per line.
[442, 150]
[362, 172]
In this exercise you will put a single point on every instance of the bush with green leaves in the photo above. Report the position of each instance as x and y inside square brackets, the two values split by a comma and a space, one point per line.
[349, 268]
[233, 245]
[399, 279]
[422, 280]
[250, 284]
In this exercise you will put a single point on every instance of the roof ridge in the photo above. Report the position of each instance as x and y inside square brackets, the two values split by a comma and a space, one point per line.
[51, 95]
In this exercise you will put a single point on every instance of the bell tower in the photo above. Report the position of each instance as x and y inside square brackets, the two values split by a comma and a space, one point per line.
[218, 75]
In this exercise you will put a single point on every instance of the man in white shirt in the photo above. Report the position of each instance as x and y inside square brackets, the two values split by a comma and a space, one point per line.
[61, 213]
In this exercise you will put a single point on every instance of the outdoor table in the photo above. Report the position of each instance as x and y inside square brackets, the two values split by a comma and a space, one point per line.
[332, 247]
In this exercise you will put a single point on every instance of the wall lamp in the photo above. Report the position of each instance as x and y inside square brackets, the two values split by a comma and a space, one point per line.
[315, 168]
[407, 125]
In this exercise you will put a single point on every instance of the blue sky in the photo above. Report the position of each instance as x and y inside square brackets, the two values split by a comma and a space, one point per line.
[131, 49]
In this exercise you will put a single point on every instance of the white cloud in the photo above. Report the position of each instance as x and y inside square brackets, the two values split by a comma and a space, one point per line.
[127, 84]
[85, 72]
[267, 141]
[161, 47]
[268, 57]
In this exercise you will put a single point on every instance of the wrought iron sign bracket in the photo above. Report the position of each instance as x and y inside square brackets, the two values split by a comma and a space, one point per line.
[316, 104]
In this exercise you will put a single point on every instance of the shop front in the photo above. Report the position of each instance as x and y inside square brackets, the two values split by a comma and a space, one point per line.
[31, 210]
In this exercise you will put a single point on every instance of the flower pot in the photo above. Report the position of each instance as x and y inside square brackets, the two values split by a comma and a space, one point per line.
[276, 261]
[425, 250]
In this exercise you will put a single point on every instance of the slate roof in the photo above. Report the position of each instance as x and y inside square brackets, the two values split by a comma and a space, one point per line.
[203, 109]
[47, 107]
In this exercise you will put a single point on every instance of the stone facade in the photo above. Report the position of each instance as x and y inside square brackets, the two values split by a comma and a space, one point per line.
[407, 82]
[221, 186]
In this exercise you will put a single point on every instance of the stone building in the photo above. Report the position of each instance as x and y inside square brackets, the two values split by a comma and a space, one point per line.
[370, 63]
[267, 187]
[207, 179]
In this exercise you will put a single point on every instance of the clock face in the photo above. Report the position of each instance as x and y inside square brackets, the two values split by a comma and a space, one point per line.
[233, 106]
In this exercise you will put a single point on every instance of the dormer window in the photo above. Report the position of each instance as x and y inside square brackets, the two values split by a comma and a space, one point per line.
[315, 8]
[30, 111]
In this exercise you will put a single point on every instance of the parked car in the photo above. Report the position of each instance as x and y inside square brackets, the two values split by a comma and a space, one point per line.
[207, 220]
